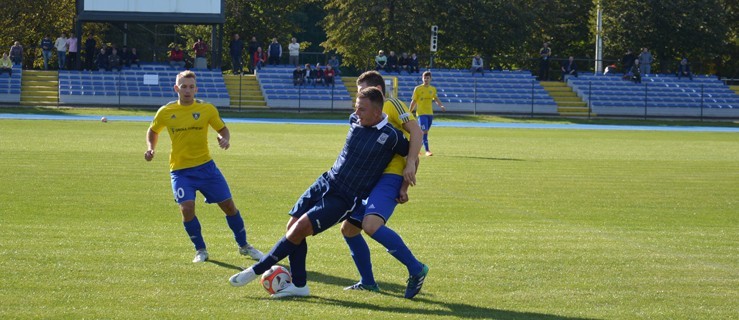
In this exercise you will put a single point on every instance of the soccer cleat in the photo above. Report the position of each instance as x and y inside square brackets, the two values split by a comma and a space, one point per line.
[200, 256]
[361, 286]
[248, 250]
[243, 277]
[428, 153]
[415, 283]
[292, 291]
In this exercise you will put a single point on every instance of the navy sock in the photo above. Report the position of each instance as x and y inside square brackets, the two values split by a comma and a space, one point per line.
[236, 223]
[361, 254]
[396, 247]
[192, 228]
[426, 141]
[282, 249]
[297, 264]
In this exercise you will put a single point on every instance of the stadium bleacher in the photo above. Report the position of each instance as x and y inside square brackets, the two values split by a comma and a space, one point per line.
[10, 86]
[495, 92]
[277, 86]
[148, 85]
[661, 95]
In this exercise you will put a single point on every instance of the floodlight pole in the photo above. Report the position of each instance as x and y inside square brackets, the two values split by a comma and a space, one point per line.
[599, 40]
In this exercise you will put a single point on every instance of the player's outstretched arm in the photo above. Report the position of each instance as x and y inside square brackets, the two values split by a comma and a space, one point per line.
[224, 138]
[151, 144]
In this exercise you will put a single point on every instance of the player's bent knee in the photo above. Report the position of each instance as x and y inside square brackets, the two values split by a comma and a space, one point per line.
[371, 223]
[349, 230]
[299, 231]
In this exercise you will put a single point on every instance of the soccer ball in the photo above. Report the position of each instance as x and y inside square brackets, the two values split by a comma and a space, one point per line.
[276, 279]
[104, 119]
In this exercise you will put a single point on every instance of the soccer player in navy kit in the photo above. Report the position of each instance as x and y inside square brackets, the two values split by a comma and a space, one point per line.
[370, 145]
[191, 167]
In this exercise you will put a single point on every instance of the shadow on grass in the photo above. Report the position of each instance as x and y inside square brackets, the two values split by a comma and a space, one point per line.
[451, 309]
[225, 265]
[484, 158]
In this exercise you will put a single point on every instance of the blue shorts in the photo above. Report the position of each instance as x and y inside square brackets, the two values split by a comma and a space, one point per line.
[425, 121]
[381, 201]
[324, 205]
[205, 178]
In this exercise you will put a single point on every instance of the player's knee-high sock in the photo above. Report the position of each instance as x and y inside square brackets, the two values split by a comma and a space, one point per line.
[361, 254]
[236, 223]
[297, 264]
[396, 247]
[426, 141]
[192, 228]
[282, 249]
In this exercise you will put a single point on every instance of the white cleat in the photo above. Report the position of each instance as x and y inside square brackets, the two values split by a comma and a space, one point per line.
[292, 291]
[248, 250]
[242, 277]
[200, 256]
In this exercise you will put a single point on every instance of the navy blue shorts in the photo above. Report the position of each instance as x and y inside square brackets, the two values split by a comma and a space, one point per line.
[324, 205]
[381, 201]
[205, 178]
[425, 122]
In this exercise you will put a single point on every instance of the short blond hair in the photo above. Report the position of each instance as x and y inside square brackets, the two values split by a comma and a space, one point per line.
[185, 74]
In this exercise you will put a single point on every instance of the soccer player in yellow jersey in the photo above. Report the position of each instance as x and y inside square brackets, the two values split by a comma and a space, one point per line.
[191, 167]
[421, 104]
[392, 189]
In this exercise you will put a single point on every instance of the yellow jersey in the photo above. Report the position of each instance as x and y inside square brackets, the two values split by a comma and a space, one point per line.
[188, 131]
[424, 96]
[397, 115]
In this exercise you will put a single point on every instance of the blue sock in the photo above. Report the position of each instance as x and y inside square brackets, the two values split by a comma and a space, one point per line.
[236, 223]
[192, 228]
[361, 254]
[282, 249]
[396, 247]
[426, 141]
[297, 264]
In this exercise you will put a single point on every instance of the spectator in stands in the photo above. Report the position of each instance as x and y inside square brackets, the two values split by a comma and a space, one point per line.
[545, 54]
[125, 57]
[101, 61]
[335, 64]
[177, 57]
[380, 61]
[684, 69]
[403, 63]
[46, 46]
[611, 69]
[413, 63]
[309, 75]
[201, 49]
[260, 58]
[319, 74]
[328, 76]
[16, 53]
[6, 65]
[133, 58]
[253, 45]
[645, 58]
[569, 68]
[235, 49]
[298, 75]
[72, 54]
[635, 73]
[274, 52]
[61, 50]
[114, 61]
[294, 50]
[90, 45]
[628, 60]
[392, 62]
[477, 65]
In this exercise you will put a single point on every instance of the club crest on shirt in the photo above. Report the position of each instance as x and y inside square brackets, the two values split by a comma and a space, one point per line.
[196, 115]
[173, 117]
[382, 138]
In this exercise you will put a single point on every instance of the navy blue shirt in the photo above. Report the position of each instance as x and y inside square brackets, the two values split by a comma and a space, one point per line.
[366, 153]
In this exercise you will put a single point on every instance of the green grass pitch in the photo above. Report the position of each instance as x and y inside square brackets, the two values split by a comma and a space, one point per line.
[514, 223]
